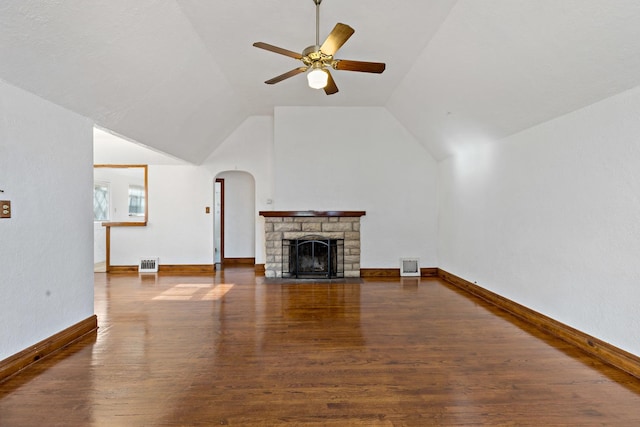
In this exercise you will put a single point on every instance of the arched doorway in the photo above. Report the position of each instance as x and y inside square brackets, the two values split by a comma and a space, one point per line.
[234, 221]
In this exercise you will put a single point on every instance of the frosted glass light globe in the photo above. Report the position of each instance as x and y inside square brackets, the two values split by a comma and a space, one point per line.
[317, 78]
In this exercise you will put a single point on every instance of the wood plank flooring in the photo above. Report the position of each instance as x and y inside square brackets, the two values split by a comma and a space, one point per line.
[230, 349]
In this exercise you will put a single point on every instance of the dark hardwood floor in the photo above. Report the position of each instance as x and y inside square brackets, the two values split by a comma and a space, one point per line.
[230, 349]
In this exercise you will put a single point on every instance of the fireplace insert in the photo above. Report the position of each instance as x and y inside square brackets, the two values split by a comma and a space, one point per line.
[313, 257]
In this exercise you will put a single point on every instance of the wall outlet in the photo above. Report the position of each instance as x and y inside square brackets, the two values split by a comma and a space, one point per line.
[5, 209]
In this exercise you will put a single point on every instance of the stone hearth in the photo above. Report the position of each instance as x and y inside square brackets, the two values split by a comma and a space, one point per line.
[297, 224]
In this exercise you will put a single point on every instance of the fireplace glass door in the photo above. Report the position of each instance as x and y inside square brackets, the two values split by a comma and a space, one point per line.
[313, 257]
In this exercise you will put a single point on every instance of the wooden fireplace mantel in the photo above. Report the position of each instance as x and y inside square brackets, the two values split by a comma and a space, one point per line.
[285, 214]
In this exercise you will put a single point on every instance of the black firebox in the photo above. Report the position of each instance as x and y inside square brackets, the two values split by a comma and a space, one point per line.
[313, 257]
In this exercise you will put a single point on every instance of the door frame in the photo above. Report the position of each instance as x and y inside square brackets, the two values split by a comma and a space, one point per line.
[221, 248]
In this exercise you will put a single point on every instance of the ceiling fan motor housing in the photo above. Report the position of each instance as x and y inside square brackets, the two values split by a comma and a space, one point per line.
[310, 50]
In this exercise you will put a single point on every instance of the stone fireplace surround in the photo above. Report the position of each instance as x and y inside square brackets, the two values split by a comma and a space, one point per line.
[296, 224]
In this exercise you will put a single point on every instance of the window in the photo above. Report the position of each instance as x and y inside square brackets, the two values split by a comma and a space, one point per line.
[100, 202]
[136, 200]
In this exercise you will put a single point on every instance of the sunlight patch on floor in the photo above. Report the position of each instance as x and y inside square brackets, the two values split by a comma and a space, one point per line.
[217, 292]
[194, 285]
[194, 292]
[172, 298]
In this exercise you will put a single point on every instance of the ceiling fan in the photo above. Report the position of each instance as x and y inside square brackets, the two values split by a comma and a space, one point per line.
[319, 58]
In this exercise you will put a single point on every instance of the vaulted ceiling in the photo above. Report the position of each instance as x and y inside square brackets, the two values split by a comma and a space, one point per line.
[181, 75]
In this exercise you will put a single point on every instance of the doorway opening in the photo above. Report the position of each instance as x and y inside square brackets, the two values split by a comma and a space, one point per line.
[219, 222]
[234, 219]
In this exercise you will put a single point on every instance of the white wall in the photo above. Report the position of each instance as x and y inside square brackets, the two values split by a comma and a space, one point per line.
[99, 243]
[239, 214]
[360, 159]
[178, 230]
[550, 218]
[46, 257]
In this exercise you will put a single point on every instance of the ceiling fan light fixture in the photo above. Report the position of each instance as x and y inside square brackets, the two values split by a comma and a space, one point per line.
[318, 78]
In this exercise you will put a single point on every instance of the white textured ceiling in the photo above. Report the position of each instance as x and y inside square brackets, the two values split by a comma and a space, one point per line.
[181, 75]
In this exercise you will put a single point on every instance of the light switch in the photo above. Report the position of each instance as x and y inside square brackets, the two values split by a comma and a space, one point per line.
[5, 209]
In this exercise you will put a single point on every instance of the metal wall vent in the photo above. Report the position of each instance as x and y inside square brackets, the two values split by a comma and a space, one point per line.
[409, 267]
[148, 265]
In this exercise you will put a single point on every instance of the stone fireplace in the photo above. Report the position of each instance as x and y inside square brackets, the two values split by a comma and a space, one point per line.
[338, 230]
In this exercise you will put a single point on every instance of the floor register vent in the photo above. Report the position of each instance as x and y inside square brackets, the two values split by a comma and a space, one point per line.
[148, 265]
[409, 267]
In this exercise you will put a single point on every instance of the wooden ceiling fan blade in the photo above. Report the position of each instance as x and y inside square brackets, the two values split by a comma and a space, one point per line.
[331, 87]
[362, 66]
[277, 49]
[338, 36]
[286, 75]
